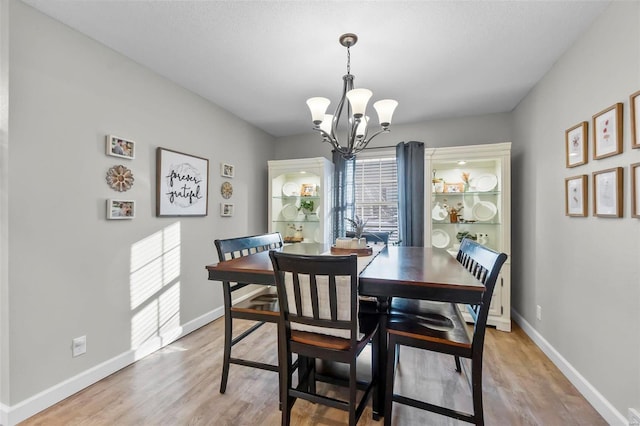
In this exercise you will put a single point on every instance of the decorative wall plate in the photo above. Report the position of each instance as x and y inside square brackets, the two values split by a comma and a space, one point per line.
[120, 178]
[226, 190]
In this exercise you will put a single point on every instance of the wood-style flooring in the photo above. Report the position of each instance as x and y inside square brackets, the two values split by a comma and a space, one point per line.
[178, 385]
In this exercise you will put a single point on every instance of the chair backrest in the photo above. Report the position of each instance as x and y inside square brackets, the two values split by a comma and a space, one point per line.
[372, 236]
[242, 246]
[485, 265]
[318, 293]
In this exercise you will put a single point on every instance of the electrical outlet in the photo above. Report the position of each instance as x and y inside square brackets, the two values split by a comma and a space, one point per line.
[634, 417]
[539, 312]
[79, 346]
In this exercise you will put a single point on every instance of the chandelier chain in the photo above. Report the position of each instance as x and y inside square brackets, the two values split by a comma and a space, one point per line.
[348, 60]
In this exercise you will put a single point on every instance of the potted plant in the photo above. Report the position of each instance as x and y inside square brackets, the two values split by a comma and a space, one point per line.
[358, 225]
[307, 207]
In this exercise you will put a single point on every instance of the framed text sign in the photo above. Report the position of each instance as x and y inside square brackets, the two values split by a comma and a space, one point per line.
[181, 184]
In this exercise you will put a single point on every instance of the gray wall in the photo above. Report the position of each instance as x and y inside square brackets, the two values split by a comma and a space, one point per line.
[70, 271]
[584, 272]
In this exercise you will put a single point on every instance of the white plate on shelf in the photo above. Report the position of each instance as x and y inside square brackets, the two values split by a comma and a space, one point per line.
[290, 189]
[484, 211]
[439, 213]
[485, 183]
[439, 238]
[317, 236]
[289, 212]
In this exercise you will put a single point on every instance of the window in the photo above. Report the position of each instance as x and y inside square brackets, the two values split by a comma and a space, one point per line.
[376, 180]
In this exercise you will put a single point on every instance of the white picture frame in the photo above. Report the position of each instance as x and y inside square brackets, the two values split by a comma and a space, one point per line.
[227, 170]
[182, 184]
[226, 209]
[118, 209]
[120, 147]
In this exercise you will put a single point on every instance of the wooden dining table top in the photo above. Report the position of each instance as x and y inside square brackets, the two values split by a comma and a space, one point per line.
[397, 271]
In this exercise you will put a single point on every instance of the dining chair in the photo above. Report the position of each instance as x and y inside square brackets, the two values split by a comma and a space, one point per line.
[320, 320]
[261, 307]
[452, 336]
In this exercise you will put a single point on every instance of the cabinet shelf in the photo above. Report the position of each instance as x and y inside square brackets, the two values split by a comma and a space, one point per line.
[451, 194]
[435, 222]
[296, 197]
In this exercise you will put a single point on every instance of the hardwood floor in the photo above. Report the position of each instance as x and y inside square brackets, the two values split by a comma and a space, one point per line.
[178, 385]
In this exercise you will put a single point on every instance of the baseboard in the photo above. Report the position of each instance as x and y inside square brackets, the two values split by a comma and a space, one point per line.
[10, 416]
[590, 393]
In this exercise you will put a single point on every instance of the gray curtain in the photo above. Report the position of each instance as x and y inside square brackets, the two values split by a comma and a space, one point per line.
[410, 160]
[344, 192]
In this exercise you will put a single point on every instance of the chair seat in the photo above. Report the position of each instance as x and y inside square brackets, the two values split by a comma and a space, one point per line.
[367, 325]
[435, 322]
[265, 303]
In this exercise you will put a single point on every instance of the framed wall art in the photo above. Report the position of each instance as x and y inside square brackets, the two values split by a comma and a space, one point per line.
[121, 209]
[227, 170]
[181, 184]
[635, 190]
[119, 147]
[576, 196]
[576, 144]
[607, 132]
[634, 101]
[226, 209]
[607, 193]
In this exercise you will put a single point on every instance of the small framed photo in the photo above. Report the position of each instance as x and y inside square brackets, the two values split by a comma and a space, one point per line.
[635, 190]
[454, 187]
[576, 196]
[634, 101]
[607, 193]
[308, 189]
[607, 132]
[227, 170]
[576, 144]
[118, 147]
[121, 209]
[226, 209]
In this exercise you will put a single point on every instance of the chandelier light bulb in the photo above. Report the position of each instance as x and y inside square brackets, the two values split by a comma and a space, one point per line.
[358, 99]
[325, 126]
[318, 107]
[385, 109]
[361, 130]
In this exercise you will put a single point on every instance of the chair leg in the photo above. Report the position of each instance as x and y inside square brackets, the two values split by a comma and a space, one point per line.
[388, 394]
[228, 327]
[476, 389]
[458, 366]
[286, 400]
[375, 365]
[353, 389]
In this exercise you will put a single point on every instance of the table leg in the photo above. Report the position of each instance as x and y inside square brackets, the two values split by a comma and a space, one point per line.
[381, 352]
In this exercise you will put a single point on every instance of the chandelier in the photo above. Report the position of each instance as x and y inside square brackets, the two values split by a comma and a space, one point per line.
[357, 135]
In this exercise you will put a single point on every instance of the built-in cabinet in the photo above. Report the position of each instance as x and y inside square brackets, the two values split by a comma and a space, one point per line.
[300, 202]
[470, 195]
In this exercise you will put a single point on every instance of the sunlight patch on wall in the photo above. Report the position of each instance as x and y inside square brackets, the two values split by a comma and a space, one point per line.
[155, 285]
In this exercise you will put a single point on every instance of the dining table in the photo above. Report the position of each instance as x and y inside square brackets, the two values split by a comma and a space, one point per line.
[423, 273]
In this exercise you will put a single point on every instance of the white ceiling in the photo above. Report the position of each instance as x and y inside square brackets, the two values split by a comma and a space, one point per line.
[262, 59]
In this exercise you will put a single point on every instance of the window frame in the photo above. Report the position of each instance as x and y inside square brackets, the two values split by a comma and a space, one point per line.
[375, 154]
